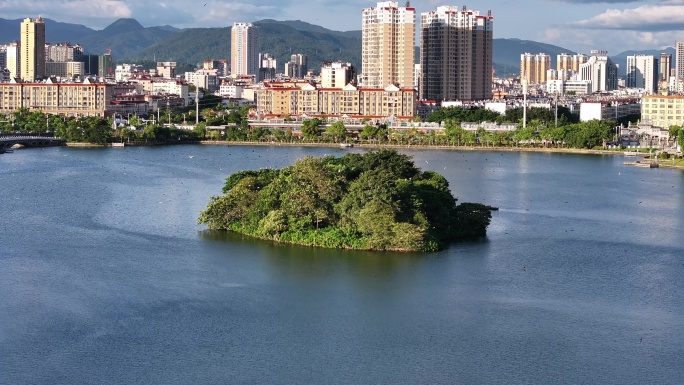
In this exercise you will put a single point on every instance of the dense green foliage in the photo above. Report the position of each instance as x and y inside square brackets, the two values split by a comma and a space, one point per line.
[91, 129]
[378, 200]
[458, 114]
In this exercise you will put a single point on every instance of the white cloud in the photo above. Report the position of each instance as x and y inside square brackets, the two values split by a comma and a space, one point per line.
[73, 10]
[650, 18]
[226, 13]
[613, 40]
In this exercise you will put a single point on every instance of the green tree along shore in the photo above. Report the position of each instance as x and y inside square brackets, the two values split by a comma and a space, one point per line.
[376, 201]
[540, 131]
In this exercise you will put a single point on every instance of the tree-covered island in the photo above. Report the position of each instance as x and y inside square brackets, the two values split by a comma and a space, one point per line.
[374, 201]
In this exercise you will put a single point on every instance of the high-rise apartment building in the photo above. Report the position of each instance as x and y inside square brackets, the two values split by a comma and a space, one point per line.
[267, 67]
[297, 66]
[456, 54]
[105, 66]
[600, 71]
[534, 67]
[244, 46]
[3, 61]
[63, 52]
[91, 64]
[679, 60]
[388, 45]
[32, 49]
[569, 62]
[665, 65]
[642, 72]
[12, 54]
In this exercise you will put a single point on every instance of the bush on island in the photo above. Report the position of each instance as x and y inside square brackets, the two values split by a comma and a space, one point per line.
[374, 201]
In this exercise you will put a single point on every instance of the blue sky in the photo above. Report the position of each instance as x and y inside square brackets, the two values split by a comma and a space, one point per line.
[579, 25]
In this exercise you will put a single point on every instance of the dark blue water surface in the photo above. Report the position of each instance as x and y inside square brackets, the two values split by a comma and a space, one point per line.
[105, 278]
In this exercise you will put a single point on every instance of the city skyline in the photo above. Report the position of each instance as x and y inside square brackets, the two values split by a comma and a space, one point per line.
[579, 25]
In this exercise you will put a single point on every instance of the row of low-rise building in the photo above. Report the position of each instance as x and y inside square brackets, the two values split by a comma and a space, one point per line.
[287, 99]
[88, 98]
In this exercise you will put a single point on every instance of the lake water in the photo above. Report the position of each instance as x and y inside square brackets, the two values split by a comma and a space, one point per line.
[105, 277]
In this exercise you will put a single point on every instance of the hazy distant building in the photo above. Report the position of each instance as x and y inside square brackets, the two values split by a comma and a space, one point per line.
[297, 66]
[205, 79]
[456, 54]
[91, 64]
[679, 60]
[221, 66]
[569, 62]
[105, 66]
[388, 45]
[244, 56]
[665, 65]
[32, 49]
[267, 67]
[337, 74]
[642, 72]
[601, 71]
[3, 57]
[123, 72]
[63, 52]
[534, 67]
[64, 69]
[166, 69]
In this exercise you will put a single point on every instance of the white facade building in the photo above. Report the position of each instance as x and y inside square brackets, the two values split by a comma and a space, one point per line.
[607, 110]
[244, 57]
[600, 71]
[123, 72]
[231, 91]
[207, 79]
[12, 59]
[336, 74]
[164, 87]
[564, 87]
[642, 73]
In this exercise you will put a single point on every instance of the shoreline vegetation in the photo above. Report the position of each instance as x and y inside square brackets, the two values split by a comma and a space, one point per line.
[665, 163]
[677, 164]
[374, 201]
[545, 131]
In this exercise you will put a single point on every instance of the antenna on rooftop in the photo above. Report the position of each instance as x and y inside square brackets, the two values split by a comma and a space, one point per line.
[408, 4]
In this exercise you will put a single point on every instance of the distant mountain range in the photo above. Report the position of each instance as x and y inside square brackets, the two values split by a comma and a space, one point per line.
[130, 41]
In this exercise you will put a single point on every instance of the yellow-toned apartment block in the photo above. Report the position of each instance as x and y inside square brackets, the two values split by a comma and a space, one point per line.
[663, 111]
[287, 100]
[70, 99]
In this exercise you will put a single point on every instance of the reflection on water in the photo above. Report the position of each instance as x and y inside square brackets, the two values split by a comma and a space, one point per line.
[301, 260]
